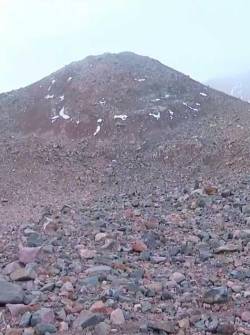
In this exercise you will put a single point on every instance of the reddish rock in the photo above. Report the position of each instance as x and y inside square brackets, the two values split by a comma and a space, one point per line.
[14, 331]
[28, 255]
[139, 246]
[64, 327]
[50, 227]
[210, 190]
[245, 316]
[100, 307]
[97, 306]
[18, 309]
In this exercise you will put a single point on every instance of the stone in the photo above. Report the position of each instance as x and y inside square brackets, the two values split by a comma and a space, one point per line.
[184, 323]
[245, 316]
[28, 255]
[97, 307]
[14, 331]
[216, 295]
[11, 267]
[34, 239]
[64, 327]
[139, 246]
[243, 234]
[246, 210]
[42, 316]
[225, 329]
[23, 274]
[166, 326]
[210, 190]
[228, 248]
[98, 269]
[243, 330]
[10, 293]
[17, 309]
[67, 288]
[100, 236]
[25, 320]
[247, 294]
[87, 319]
[86, 253]
[29, 331]
[44, 329]
[102, 329]
[151, 239]
[178, 277]
[48, 287]
[117, 317]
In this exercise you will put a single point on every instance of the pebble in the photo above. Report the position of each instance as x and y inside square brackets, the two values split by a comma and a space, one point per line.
[44, 329]
[139, 246]
[117, 317]
[28, 255]
[216, 295]
[100, 236]
[102, 329]
[10, 293]
[245, 316]
[87, 319]
[178, 277]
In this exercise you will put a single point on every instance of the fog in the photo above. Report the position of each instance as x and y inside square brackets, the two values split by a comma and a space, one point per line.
[202, 38]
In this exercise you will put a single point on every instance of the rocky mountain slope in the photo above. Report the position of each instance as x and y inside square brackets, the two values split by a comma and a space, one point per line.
[124, 203]
[237, 86]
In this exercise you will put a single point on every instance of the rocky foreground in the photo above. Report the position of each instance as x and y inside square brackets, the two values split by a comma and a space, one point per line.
[166, 262]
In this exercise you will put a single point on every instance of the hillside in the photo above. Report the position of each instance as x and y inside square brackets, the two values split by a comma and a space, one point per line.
[124, 203]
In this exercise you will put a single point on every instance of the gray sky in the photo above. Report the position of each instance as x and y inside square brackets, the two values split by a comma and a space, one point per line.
[202, 38]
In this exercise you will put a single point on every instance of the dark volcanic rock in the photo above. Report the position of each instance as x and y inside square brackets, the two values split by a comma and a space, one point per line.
[10, 293]
[216, 295]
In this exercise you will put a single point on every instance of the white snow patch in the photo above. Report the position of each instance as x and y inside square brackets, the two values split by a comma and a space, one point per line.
[61, 97]
[102, 101]
[193, 109]
[156, 116]
[63, 115]
[171, 113]
[69, 79]
[99, 121]
[53, 81]
[54, 118]
[197, 104]
[123, 117]
[98, 128]
[49, 88]
[77, 122]
[140, 79]
[155, 100]
[167, 96]
[49, 96]
[203, 94]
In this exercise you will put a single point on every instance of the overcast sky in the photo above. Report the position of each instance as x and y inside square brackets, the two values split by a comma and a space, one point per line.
[202, 38]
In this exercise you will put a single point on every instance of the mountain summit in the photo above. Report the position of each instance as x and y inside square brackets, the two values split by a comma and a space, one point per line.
[96, 96]
[126, 107]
